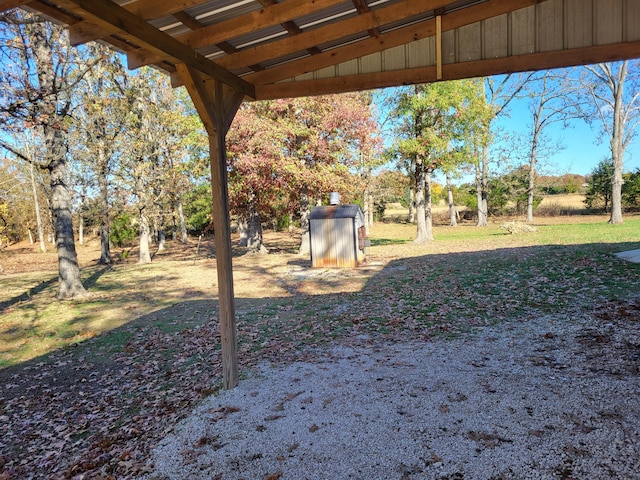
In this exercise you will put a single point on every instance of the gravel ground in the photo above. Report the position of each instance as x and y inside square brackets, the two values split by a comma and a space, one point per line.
[545, 399]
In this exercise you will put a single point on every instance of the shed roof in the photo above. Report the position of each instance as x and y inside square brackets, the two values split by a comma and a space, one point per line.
[335, 211]
[273, 49]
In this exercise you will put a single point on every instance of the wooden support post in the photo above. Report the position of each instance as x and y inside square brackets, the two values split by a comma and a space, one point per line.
[222, 233]
[438, 47]
[217, 106]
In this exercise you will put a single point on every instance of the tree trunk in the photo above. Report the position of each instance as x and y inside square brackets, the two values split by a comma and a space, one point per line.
[162, 239]
[69, 282]
[80, 228]
[533, 158]
[183, 224]
[36, 205]
[532, 185]
[421, 231]
[427, 210]
[161, 231]
[103, 187]
[145, 237]
[478, 184]
[305, 212]
[616, 187]
[243, 230]
[254, 233]
[30, 236]
[482, 184]
[617, 146]
[453, 214]
[365, 203]
[412, 204]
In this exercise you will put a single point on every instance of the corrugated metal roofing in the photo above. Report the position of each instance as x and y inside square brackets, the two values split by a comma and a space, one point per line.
[270, 48]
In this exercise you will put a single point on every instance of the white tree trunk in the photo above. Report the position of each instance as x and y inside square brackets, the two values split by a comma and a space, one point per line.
[422, 235]
[81, 228]
[145, 238]
[36, 205]
[453, 214]
[183, 224]
[428, 210]
[482, 185]
[617, 146]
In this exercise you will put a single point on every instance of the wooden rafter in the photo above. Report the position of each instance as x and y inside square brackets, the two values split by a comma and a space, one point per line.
[106, 13]
[276, 14]
[360, 24]
[401, 36]
[86, 31]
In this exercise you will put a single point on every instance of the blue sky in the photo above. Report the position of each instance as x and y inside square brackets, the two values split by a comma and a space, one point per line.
[582, 152]
[583, 145]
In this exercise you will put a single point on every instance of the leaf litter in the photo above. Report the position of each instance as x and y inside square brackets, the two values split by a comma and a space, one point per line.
[96, 411]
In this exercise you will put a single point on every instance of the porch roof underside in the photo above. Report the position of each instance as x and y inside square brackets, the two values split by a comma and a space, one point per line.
[269, 49]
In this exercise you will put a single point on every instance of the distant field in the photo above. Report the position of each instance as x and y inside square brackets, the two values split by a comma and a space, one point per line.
[550, 205]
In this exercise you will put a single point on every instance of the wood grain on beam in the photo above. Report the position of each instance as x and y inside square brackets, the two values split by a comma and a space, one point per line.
[334, 31]
[345, 84]
[544, 60]
[105, 13]
[276, 14]
[146, 9]
[153, 9]
[456, 71]
[401, 36]
[202, 99]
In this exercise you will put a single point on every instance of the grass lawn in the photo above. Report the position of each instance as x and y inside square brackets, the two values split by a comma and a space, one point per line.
[114, 370]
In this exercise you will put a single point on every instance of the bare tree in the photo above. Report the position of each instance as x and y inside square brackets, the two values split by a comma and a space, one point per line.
[553, 100]
[41, 72]
[615, 91]
[499, 91]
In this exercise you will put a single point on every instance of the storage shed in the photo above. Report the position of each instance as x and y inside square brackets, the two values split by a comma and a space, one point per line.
[337, 236]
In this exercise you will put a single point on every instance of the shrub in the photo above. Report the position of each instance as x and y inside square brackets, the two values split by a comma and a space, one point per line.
[123, 230]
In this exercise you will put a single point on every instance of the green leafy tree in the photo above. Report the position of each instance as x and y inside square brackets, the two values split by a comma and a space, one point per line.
[599, 194]
[631, 190]
[435, 124]
[599, 186]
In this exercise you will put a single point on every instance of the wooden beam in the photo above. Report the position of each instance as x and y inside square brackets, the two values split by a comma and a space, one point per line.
[544, 60]
[401, 36]
[276, 14]
[350, 83]
[457, 71]
[107, 13]
[146, 9]
[334, 31]
[222, 233]
[217, 106]
[439, 47]
[152, 9]
[202, 99]
[9, 4]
